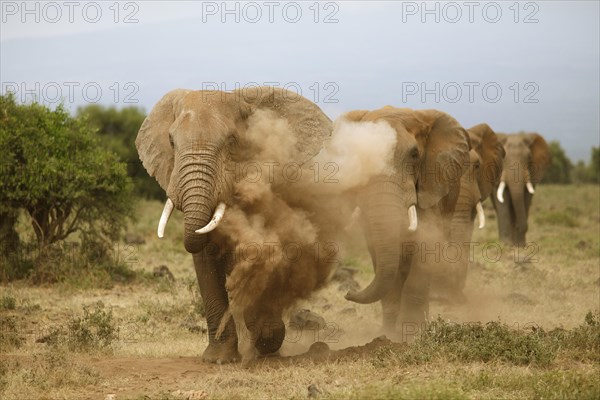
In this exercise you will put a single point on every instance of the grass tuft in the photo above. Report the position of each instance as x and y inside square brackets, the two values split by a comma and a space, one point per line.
[95, 331]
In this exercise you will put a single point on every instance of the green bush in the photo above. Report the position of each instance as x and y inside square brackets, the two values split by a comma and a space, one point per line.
[117, 130]
[96, 330]
[588, 173]
[560, 168]
[10, 333]
[494, 342]
[7, 302]
[54, 170]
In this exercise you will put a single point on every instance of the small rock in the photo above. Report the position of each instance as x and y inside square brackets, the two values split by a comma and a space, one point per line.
[110, 396]
[319, 348]
[190, 394]
[163, 272]
[349, 285]
[344, 273]
[518, 298]
[133, 238]
[193, 327]
[306, 319]
[313, 390]
[348, 311]
[382, 339]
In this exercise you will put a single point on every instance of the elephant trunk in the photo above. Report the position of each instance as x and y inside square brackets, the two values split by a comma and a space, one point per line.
[461, 233]
[517, 195]
[198, 197]
[385, 218]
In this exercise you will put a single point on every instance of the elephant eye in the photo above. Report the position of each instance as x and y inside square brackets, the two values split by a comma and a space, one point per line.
[414, 153]
[171, 140]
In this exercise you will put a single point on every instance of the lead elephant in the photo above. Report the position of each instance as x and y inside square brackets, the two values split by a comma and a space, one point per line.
[527, 159]
[189, 142]
[478, 180]
[419, 194]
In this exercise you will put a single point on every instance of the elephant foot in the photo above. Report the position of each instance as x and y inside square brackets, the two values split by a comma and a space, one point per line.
[221, 353]
[270, 340]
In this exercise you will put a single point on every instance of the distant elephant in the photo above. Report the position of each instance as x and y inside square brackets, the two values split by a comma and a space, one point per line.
[431, 154]
[477, 182]
[188, 142]
[527, 159]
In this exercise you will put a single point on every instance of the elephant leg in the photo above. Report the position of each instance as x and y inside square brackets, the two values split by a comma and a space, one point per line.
[211, 279]
[390, 305]
[414, 306]
[528, 197]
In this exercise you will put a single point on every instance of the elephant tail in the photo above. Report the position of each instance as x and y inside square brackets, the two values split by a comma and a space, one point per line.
[224, 320]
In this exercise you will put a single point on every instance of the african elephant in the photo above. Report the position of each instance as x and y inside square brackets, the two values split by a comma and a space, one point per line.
[527, 159]
[476, 184]
[190, 142]
[432, 150]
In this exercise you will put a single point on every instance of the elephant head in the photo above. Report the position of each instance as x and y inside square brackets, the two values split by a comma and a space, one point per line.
[481, 176]
[431, 152]
[191, 139]
[527, 159]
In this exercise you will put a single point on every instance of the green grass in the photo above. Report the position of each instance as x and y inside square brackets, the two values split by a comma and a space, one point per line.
[495, 342]
[485, 349]
[7, 302]
[559, 218]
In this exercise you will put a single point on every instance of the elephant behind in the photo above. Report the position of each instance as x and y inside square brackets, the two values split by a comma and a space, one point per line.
[526, 161]
[476, 184]
[408, 207]
[195, 143]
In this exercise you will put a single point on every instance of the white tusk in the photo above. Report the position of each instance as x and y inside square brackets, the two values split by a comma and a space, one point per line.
[412, 218]
[500, 192]
[214, 222]
[480, 215]
[355, 216]
[164, 218]
[530, 188]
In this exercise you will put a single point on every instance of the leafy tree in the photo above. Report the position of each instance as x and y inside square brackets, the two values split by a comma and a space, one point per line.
[589, 173]
[53, 169]
[560, 169]
[118, 130]
[595, 165]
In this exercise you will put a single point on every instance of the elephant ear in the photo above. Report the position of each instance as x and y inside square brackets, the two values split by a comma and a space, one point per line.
[152, 141]
[310, 125]
[540, 156]
[491, 152]
[502, 138]
[446, 153]
[355, 115]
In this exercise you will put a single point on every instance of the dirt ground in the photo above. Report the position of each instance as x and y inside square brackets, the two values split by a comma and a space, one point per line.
[154, 351]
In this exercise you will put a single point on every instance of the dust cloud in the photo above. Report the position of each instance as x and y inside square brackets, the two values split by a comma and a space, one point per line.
[360, 150]
[285, 224]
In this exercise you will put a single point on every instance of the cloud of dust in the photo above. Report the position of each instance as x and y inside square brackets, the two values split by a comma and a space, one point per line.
[360, 150]
[283, 232]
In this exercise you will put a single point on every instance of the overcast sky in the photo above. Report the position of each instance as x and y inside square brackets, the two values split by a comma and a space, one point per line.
[518, 66]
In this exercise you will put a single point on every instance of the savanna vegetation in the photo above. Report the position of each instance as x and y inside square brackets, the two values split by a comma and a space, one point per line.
[87, 309]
